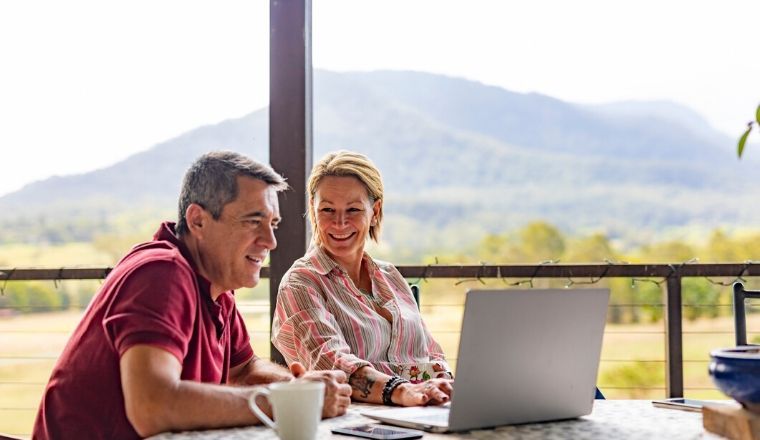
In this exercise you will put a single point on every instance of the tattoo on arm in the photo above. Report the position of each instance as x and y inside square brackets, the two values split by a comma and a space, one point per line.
[362, 384]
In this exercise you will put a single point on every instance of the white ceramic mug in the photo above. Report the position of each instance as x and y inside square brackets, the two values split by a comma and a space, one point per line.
[296, 407]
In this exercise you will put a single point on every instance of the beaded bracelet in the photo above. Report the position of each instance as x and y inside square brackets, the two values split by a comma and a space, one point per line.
[391, 385]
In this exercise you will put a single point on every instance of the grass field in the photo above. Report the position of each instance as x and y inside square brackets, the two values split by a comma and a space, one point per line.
[28, 255]
[632, 364]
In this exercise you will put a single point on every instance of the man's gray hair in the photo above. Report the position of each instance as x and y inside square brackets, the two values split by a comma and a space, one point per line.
[211, 182]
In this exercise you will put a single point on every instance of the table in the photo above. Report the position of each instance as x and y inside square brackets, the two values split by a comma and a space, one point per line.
[610, 419]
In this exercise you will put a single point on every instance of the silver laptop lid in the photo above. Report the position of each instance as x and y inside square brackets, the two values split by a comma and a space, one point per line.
[527, 355]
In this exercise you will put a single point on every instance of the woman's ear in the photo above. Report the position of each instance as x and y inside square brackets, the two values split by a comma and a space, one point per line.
[377, 208]
[312, 215]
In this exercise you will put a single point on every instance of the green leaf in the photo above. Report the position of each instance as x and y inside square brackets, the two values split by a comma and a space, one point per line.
[743, 140]
[757, 114]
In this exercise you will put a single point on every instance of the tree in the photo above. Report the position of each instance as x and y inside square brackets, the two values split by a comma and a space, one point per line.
[31, 297]
[669, 251]
[699, 298]
[494, 248]
[720, 247]
[594, 248]
[541, 241]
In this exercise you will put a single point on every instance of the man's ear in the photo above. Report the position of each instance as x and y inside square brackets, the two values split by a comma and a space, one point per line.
[196, 218]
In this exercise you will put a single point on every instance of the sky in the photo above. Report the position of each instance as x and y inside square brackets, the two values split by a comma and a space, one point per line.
[87, 83]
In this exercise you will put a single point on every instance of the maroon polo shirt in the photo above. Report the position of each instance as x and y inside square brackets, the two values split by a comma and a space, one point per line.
[154, 296]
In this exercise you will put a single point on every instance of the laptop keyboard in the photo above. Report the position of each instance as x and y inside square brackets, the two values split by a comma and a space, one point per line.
[421, 415]
[438, 418]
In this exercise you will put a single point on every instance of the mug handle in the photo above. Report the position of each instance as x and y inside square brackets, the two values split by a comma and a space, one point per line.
[255, 408]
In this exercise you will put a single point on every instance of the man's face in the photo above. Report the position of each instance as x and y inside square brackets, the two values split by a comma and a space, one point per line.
[233, 248]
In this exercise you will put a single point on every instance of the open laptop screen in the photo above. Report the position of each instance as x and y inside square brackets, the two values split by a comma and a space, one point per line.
[526, 356]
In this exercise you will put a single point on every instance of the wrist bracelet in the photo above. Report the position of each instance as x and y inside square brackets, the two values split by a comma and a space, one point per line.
[389, 387]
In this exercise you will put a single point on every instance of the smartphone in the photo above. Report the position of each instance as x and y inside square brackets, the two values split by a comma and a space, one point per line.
[378, 432]
[682, 404]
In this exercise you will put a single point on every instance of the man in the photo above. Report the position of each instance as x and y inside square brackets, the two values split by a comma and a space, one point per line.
[162, 341]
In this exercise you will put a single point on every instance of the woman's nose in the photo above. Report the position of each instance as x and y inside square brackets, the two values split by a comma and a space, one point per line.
[340, 218]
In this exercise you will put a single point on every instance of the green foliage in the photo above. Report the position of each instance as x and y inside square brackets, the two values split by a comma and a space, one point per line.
[743, 139]
[82, 224]
[43, 296]
[48, 229]
[596, 247]
[669, 251]
[494, 248]
[32, 297]
[721, 248]
[540, 240]
[537, 241]
[699, 297]
[632, 301]
[82, 296]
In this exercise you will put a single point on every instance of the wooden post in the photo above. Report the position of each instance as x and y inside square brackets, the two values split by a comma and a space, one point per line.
[674, 335]
[290, 130]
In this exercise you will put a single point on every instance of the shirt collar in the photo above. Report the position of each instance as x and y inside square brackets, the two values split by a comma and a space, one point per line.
[323, 263]
[166, 232]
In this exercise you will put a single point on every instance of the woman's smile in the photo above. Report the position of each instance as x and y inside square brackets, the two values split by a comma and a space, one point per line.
[342, 237]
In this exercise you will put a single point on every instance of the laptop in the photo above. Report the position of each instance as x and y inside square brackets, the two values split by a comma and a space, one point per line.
[524, 356]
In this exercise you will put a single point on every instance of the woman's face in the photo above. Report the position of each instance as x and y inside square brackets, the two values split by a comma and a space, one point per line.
[344, 214]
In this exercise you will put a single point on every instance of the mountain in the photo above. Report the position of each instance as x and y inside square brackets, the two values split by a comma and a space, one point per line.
[458, 158]
[668, 111]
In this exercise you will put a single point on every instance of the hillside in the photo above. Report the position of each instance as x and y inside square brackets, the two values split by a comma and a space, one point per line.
[458, 157]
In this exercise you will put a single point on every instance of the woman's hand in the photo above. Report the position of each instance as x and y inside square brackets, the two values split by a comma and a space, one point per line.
[431, 392]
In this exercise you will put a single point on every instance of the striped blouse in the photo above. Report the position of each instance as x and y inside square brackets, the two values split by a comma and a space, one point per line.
[325, 322]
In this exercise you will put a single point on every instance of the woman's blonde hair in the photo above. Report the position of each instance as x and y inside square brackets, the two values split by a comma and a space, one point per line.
[347, 164]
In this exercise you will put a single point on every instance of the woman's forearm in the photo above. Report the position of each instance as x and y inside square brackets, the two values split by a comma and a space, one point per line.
[367, 385]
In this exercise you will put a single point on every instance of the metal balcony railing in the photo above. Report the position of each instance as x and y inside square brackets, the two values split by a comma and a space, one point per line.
[670, 275]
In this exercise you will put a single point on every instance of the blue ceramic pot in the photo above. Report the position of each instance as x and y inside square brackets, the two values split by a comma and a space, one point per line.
[736, 372]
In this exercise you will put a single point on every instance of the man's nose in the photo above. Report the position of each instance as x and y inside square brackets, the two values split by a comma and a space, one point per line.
[268, 239]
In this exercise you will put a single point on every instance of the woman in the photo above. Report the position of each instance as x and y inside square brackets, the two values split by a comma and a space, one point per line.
[339, 308]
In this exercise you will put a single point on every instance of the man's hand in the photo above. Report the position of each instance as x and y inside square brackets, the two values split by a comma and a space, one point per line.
[258, 371]
[337, 390]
